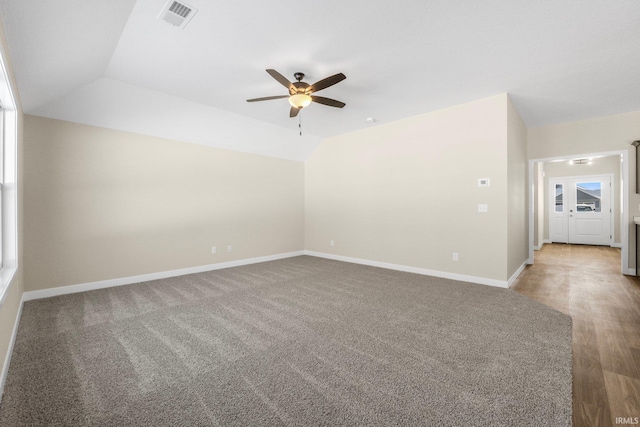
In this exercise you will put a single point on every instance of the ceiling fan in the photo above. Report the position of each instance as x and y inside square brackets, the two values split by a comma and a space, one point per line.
[300, 93]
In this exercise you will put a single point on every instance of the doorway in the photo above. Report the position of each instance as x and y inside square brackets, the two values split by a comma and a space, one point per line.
[537, 208]
[580, 210]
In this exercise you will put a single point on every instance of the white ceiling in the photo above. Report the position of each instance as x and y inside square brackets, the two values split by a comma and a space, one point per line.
[114, 64]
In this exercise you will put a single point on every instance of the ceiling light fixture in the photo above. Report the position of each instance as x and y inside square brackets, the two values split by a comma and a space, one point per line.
[580, 162]
[300, 100]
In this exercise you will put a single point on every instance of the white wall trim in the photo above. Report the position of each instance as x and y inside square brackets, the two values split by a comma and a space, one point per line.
[544, 242]
[632, 272]
[408, 269]
[616, 245]
[624, 226]
[532, 208]
[9, 223]
[63, 290]
[12, 340]
[515, 275]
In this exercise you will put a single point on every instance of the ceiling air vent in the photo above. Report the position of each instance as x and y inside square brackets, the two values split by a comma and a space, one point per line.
[177, 14]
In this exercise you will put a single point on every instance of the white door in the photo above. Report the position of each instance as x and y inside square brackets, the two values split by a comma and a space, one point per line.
[580, 210]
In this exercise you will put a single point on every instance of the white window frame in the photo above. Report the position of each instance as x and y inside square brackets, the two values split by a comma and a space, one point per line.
[9, 181]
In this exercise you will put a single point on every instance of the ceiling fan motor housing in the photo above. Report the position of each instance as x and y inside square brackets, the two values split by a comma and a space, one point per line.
[300, 87]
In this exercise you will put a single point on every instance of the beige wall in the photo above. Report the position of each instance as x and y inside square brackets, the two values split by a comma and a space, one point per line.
[597, 135]
[11, 304]
[585, 136]
[407, 192]
[517, 214]
[103, 204]
[600, 166]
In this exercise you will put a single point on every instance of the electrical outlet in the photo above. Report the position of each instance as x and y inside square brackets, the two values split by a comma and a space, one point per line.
[330, 242]
[483, 208]
[229, 248]
[455, 256]
[213, 249]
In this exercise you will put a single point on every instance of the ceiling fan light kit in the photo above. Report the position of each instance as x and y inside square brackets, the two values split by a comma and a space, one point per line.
[300, 93]
[300, 100]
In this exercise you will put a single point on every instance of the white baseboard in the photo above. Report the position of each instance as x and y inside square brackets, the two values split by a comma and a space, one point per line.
[12, 340]
[515, 275]
[417, 270]
[544, 242]
[631, 272]
[63, 290]
[617, 245]
[83, 287]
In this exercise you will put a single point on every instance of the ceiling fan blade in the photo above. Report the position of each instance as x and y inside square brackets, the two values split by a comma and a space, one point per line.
[281, 79]
[294, 111]
[327, 101]
[267, 98]
[325, 83]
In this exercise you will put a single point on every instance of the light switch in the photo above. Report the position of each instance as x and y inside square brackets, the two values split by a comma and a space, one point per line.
[483, 208]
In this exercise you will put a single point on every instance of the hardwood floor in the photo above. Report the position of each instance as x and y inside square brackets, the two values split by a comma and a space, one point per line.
[585, 282]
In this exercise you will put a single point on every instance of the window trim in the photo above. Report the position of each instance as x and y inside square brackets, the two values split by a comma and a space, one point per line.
[9, 214]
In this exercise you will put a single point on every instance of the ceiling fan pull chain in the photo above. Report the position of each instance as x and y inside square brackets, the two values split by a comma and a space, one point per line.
[300, 123]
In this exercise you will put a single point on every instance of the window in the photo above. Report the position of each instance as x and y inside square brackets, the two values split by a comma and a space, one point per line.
[559, 198]
[8, 182]
[588, 195]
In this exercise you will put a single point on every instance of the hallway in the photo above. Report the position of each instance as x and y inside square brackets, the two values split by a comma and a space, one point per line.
[585, 282]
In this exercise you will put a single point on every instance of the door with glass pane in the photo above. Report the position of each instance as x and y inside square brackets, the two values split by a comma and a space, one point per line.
[580, 210]
[590, 210]
[557, 211]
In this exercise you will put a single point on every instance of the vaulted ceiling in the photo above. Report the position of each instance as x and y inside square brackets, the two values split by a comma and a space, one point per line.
[115, 64]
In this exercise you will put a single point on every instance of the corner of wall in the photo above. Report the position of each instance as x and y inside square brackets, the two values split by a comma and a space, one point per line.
[517, 196]
[406, 193]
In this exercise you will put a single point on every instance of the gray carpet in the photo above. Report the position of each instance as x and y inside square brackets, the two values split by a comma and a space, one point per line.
[300, 342]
